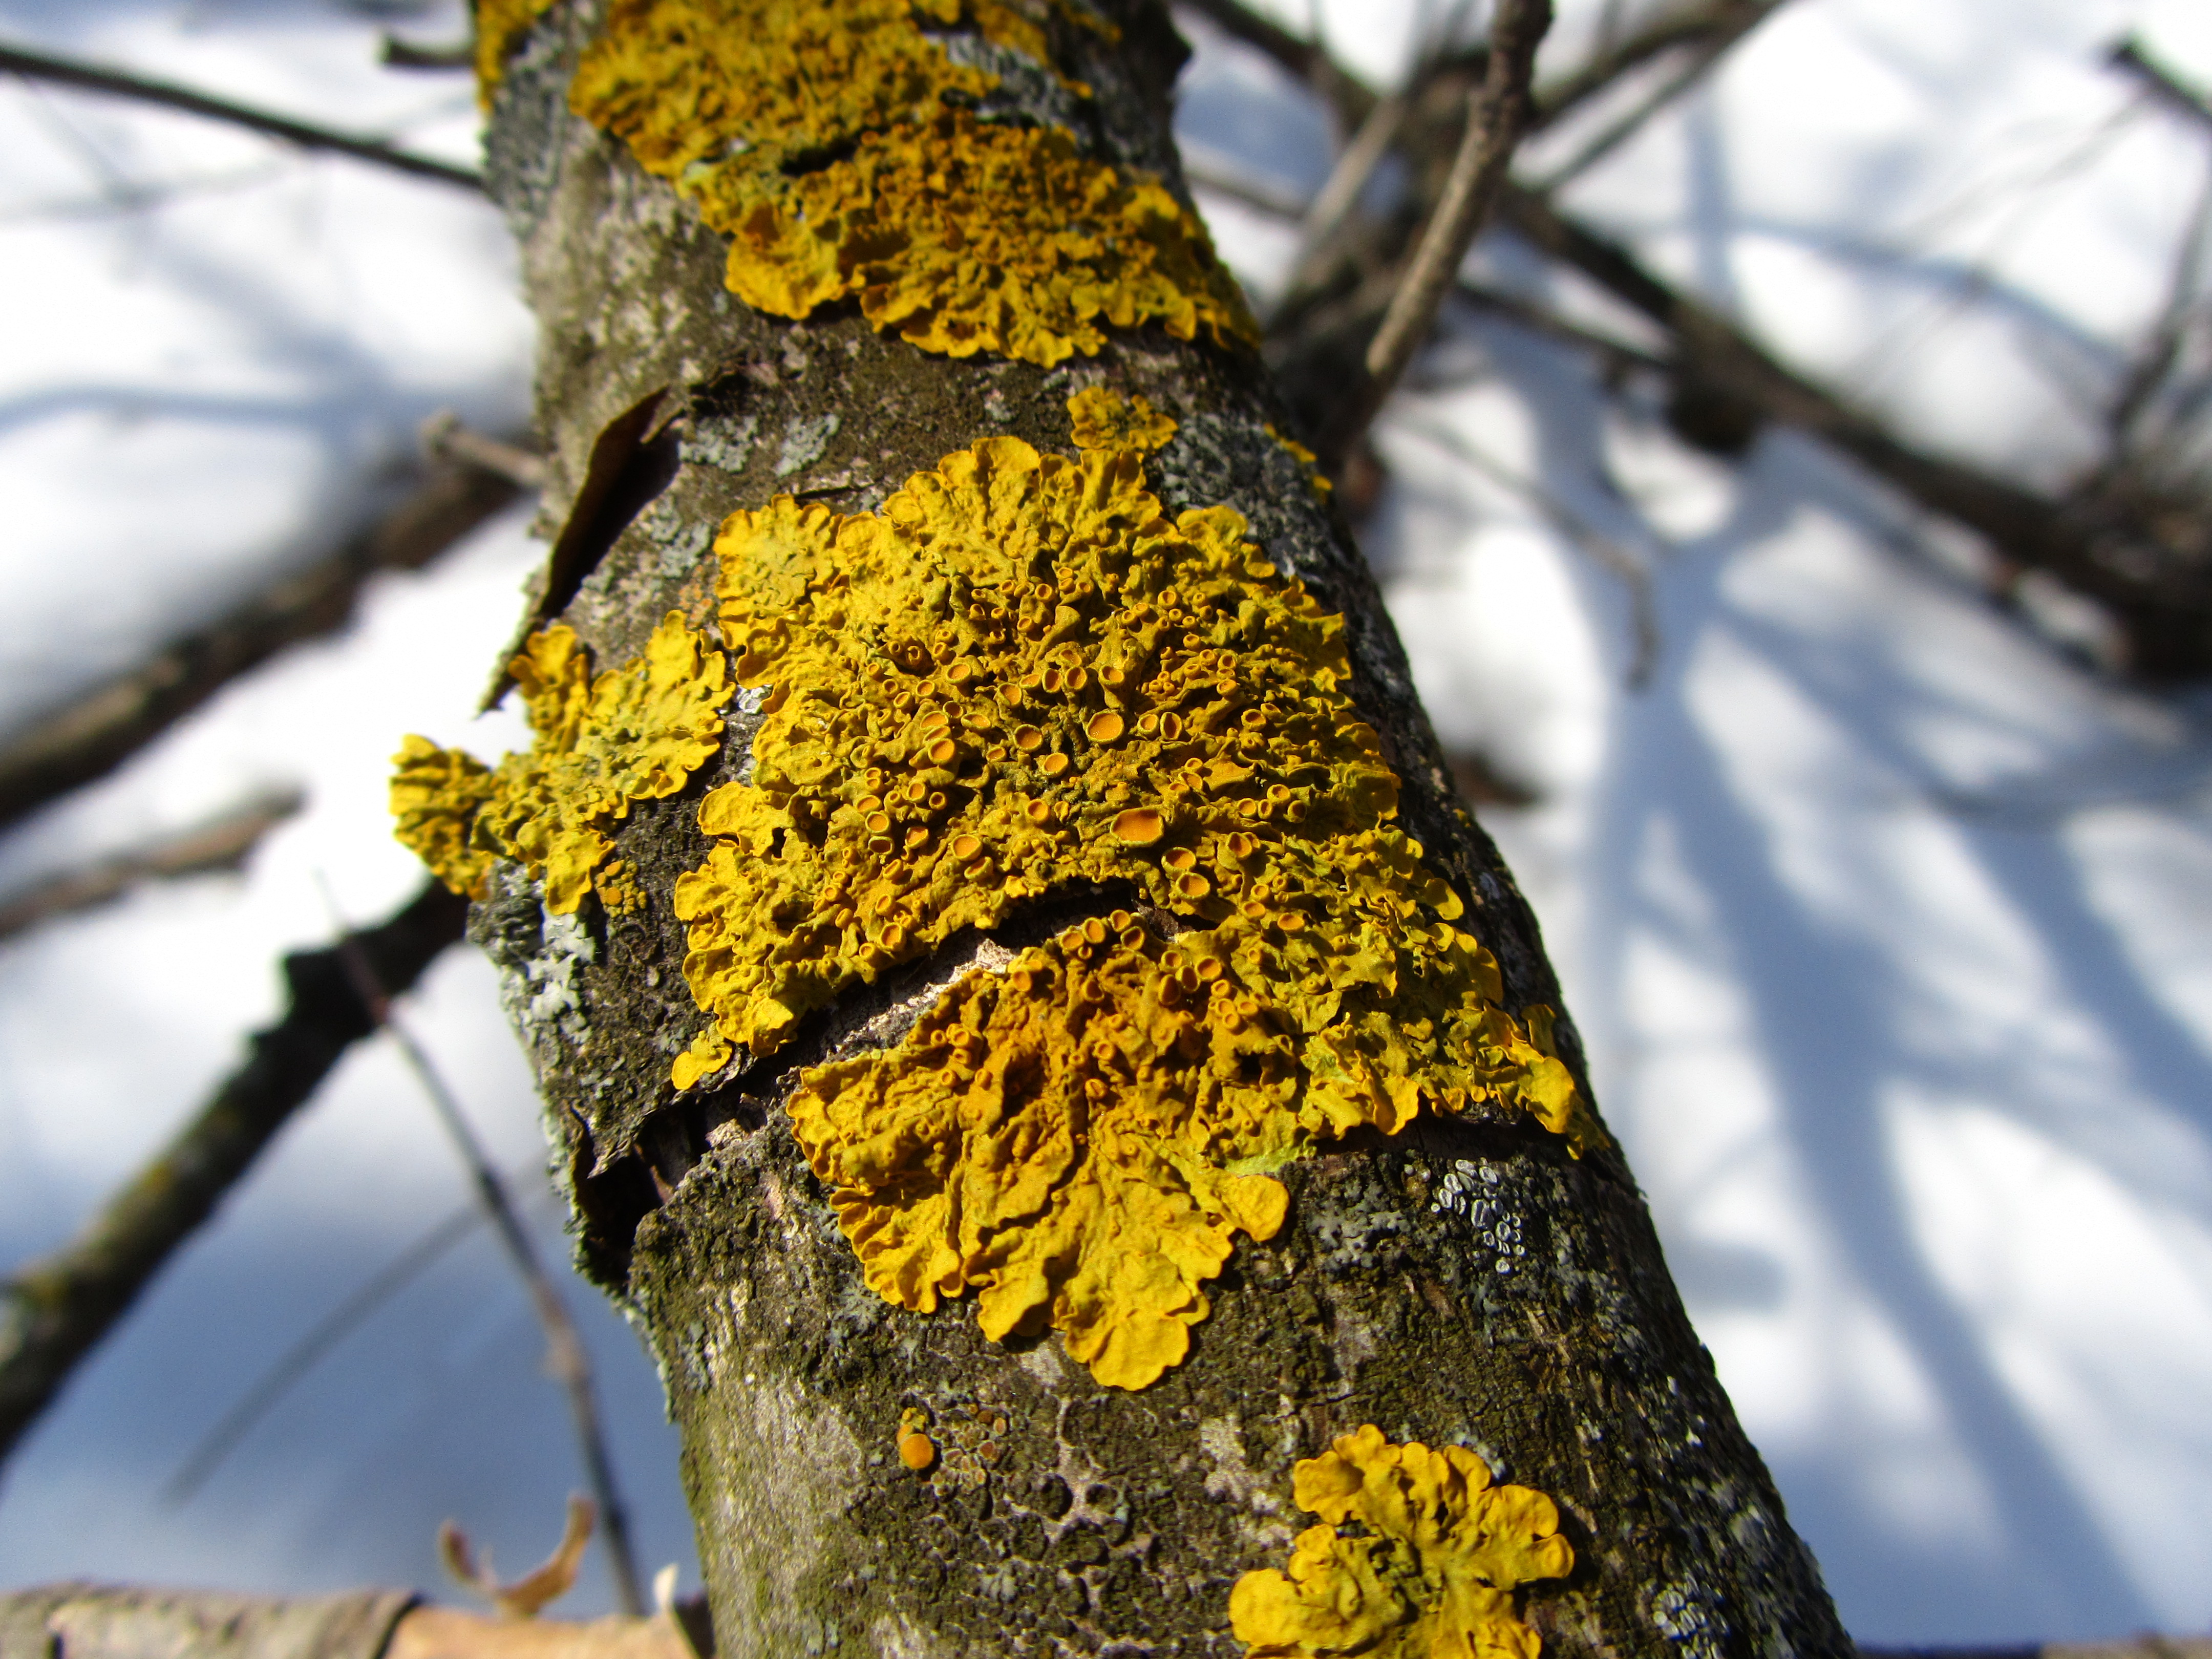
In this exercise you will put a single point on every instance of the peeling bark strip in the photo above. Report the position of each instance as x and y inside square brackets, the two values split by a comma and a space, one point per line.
[869, 1477]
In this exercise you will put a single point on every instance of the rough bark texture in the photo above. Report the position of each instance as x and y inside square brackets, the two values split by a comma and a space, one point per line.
[1465, 1281]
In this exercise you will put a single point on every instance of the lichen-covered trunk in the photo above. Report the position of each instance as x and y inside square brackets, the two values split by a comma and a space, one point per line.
[1074, 1101]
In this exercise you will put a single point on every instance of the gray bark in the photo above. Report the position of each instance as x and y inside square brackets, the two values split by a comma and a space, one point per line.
[1465, 1281]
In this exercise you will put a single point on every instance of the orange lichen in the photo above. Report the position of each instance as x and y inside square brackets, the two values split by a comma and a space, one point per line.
[1102, 419]
[499, 25]
[1431, 1575]
[1020, 676]
[836, 144]
[635, 733]
[915, 1449]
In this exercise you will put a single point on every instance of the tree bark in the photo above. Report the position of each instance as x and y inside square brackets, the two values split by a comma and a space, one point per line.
[1466, 1281]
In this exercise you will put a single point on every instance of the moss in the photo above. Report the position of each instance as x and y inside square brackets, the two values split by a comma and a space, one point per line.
[635, 733]
[1431, 1572]
[1017, 678]
[837, 146]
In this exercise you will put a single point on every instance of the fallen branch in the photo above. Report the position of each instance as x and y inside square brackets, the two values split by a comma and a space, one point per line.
[101, 731]
[90, 77]
[55, 1309]
[218, 845]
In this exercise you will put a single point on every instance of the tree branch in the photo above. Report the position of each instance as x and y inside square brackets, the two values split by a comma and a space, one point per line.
[55, 1309]
[220, 844]
[90, 77]
[1496, 117]
[1703, 52]
[2129, 55]
[1708, 29]
[1726, 384]
[101, 730]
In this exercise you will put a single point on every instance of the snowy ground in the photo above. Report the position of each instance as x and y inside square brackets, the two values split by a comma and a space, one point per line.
[1890, 928]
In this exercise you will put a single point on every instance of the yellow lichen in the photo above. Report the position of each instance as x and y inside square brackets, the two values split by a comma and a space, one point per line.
[634, 734]
[1431, 1575]
[1309, 463]
[499, 25]
[435, 794]
[1102, 419]
[833, 141]
[1019, 677]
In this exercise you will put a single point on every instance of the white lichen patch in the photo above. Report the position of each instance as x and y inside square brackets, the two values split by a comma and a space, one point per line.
[803, 441]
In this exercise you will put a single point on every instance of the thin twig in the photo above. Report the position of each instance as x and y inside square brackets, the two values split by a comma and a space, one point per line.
[1496, 114]
[90, 77]
[101, 730]
[406, 54]
[1700, 58]
[2140, 565]
[445, 439]
[53, 1310]
[2159, 593]
[2185, 101]
[222, 843]
[1340, 191]
[565, 1355]
[1686, 26]
[1616, 560]
[296, 1361]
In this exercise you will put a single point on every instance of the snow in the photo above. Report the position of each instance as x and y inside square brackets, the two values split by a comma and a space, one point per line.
[1888, 925]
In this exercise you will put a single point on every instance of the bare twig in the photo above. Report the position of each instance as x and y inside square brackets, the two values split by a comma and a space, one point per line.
[406, 54]
[54, 1309]
[445, 439]
[1691, 26]
[2129, 55]
[101, 731]
[296, 1361]
[1701, 56]
[565, 1355]
[1617, 356]
[2159, 591]
[222, 843]
[90, 77]
[1340, 191]
[1496, 115]
[1609, 554]
[2145, 554]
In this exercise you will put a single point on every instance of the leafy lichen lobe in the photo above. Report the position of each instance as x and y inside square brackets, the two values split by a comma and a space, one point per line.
[1020, 678]
[634, 734]
[1429, 1573]
[840, 148]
